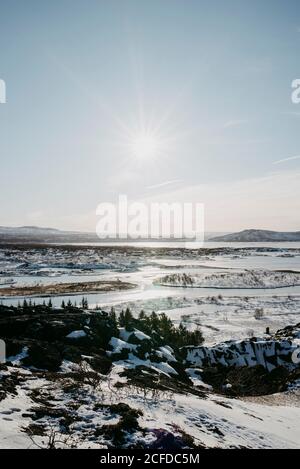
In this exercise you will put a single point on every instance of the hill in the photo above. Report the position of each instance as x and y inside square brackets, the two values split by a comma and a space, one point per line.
[259, 236]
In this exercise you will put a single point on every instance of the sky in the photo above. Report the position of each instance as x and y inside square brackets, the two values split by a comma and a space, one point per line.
[161, 100]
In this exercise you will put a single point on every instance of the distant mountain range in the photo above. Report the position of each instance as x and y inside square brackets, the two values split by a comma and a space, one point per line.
[36, 234]
[255, 236]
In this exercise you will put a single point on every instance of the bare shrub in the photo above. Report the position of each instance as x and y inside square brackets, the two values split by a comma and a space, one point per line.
[259, 314]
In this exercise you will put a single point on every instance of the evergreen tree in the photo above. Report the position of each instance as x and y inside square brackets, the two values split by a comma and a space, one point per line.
[142, 315]
[113, 315]
[128, 319]
[154, 321]
[122, 319]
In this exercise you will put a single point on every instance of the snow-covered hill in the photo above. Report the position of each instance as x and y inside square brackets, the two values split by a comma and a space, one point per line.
[76, 378]
[241, 279]
[43, 235]
[259, 236]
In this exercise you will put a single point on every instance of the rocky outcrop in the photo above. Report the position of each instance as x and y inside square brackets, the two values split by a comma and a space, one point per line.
[43, 338]
[269, 352]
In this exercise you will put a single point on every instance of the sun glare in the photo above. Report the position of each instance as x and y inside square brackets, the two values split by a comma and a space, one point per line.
[145, 145]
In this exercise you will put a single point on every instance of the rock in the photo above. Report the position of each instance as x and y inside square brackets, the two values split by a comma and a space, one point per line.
[246, 381]
[270, 353]
[47, 334]
[44, 357]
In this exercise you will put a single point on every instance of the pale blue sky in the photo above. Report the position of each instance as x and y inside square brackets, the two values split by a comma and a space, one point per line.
[213, 76]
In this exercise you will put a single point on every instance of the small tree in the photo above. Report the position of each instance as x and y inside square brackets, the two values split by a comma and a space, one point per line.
[84, 303]
[122, 319]
[142, 315]
[113, 315]
[129, 319]
[259, 313]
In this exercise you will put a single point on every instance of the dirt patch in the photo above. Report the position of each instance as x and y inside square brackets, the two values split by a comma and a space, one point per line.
[248, 381]
[154, 384]
[67, 288]
[127, 424]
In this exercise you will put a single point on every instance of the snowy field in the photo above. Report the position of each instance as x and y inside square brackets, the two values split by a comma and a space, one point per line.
[215, 421]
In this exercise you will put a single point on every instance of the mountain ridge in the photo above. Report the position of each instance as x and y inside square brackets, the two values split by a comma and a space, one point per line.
[51, 235]
[255, 235]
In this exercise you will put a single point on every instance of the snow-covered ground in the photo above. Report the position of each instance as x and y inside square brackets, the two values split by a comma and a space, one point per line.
[233, 294]
[212, 420]
[229, 286]
[243, 279]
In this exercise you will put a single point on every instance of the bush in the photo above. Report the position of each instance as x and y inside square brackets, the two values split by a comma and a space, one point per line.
[259, 313]
[162, 330]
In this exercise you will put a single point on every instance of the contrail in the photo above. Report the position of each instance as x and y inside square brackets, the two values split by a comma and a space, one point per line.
[162, 184]
[287, 159]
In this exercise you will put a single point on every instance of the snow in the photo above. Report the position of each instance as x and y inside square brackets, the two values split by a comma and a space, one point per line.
[167, 353]
[240, 423]
[268, 353]
[242, 279]
[14, 411]
[118, 345]
[76, 335]
[125, 335]
[165, 368]
[141, 336]
[195, 375]
[212, 420]
[247, 279]
[16, 359]
[133, 361]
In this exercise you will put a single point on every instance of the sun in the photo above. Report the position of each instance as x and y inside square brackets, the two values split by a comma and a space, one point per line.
[145, 145]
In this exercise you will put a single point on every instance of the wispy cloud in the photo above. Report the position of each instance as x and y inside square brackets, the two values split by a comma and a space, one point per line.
[287, 159]
[271, 201]
[163, 184]
[292, 113]
[234, 123]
